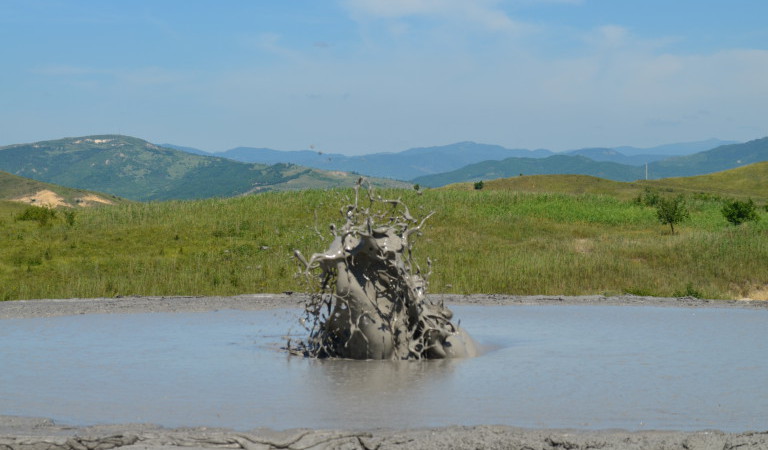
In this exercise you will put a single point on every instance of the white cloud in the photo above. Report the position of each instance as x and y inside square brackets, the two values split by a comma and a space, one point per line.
[480, 12]
[136, 76]
[149, 76]
[396, 8]
[611, 36]
[63, 70]
[614, 89]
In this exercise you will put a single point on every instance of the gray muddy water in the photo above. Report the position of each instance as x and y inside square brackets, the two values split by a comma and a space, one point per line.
[587, 367]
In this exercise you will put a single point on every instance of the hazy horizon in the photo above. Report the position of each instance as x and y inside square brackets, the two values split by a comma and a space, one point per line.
[448, 144]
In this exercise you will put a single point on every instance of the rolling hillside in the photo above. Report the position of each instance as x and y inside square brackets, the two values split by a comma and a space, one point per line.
[422, 161]
[25, 190]
[743, 182]
[718, 159]
[135, 169]
[634, 156]
[404, 165]
[557, 164]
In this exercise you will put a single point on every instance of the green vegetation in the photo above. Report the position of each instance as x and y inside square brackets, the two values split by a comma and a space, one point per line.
[556, 164]
[40, 214]
[14, 187]
[480, 241]
[649, 197]
[721, 158]
[740, 183]
[138, 170]
[672, 211]
[737, 212]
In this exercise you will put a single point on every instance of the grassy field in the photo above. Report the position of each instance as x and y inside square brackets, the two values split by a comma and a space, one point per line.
[741, 183]
[480, 241]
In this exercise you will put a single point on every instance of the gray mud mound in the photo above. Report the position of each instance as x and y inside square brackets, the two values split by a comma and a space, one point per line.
[369, 299]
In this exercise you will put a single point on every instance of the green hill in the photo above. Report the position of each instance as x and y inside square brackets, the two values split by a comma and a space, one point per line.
[718, 159]
[557, 164]
[25, 190]
[136, 169]
[749, 181]
[743, 182]
[562, 184]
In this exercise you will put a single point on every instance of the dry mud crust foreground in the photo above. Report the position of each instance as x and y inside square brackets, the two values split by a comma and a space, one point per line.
[20, 433]
[17, 433]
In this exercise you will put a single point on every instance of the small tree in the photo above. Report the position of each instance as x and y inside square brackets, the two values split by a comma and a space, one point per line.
[738, 212]
[671, 211]
[479, 185]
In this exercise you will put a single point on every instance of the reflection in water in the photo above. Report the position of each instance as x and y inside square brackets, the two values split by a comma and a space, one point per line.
[550, 366]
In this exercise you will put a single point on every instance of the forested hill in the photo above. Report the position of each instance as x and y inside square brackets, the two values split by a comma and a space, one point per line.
[136, 169]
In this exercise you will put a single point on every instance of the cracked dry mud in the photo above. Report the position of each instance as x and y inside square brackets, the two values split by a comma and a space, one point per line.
[39, 434]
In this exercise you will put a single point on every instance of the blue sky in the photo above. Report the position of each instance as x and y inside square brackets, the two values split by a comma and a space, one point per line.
[364, 76]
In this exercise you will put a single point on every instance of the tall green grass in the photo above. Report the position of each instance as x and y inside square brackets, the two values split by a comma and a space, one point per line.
[479, 242]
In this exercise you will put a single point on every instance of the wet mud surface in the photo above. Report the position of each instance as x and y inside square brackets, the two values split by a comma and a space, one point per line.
[20, 309]
[40, 433]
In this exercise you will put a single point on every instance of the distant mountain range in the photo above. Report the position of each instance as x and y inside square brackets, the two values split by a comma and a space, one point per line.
[138, 170]
[135, 169]
[552, 165]
[718, 159]
[418, 162]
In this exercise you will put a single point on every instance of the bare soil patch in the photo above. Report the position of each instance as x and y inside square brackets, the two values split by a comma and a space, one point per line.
[43, 198]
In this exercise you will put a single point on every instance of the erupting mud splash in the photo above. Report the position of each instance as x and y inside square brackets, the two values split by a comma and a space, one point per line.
[370, 302]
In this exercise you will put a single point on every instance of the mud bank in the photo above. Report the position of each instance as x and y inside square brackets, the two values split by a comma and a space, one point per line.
[40, 434]
[127, 305]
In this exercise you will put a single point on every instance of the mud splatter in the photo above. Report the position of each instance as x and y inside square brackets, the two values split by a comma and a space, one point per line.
[369, 299]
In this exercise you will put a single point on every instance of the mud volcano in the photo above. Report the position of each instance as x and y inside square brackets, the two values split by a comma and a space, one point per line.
[368, 299]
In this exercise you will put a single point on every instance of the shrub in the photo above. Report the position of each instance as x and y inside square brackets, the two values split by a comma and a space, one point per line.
[738, 212]
[69, 217]
[689, 291]
[479, 185]
[671, 211]
[648, 197]
[39, 214]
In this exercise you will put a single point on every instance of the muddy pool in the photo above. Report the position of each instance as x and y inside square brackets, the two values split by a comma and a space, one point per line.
[573, 366]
